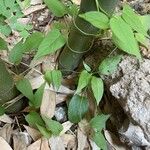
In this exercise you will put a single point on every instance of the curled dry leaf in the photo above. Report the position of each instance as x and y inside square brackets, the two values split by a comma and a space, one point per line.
[36, 83]
[6, 119]
[35, 134]
[32, 9]
[56, 143]
[48, 103]
[6, 132]
[4, 145]
[41, 144]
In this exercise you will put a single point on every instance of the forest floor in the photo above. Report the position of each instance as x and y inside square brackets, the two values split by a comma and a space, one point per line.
[15, 133]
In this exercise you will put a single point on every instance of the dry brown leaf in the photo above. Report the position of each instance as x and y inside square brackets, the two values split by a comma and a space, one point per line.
[82, 140]
[66, 126]
[35, 146]
[56, 143]
[35, 134]
[4, 145]
[21, 140]
[35, 2]
[114, 141]
[60, 98]
[6, 132]
[41, 144]
[93, 145]
[84, 126]
[69, 140]
[65, 90]
[48, 103]
[36, 83]
[49, 63]
[6, 119]
[24, 21]
[32, 9]
[76, 2]
[45, 144]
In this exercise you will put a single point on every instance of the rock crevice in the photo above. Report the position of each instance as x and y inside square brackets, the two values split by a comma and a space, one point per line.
[132, 91]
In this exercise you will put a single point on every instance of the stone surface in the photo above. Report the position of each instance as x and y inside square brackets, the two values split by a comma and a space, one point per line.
[131, 87]
[133, 135]
[60, 114]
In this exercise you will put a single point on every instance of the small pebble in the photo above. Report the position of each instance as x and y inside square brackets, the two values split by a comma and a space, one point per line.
[60, 114]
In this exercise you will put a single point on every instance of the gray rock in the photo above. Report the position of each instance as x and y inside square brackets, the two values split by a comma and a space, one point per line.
[131, 87]
[60, 114]
[133, 134]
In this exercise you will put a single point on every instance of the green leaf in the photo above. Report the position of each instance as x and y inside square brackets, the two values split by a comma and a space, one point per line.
[100, 141]
[2, 19]
[73, 9]
[56, 7]
[3, 9]
[142, 39]
[5, 29]
[98, 122]
[54, 77]
[2, 110]
[17, 26]
[97, 88]
[15, 55]
[9, 4]
[78, 107]
[97, 19]
[54, 126]
[3, 44]
[33, 118]
[87, 67]
[145, 21]
[26, 4]
[25, 88]
[33, 41]
[109, 64]
[123, 36]
[133, 20]
[9, 8]
[83, 80]
[38, 96]
[44, 131]
[59, 26]
[52, 42]
[24, 34]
